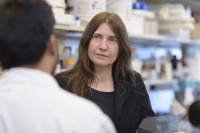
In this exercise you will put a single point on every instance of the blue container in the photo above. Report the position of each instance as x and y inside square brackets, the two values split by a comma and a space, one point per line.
[142, 5]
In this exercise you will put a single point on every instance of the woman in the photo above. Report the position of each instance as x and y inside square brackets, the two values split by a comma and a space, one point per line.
[103, 73]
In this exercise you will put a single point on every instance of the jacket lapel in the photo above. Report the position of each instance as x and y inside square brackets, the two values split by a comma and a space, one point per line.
[120, 99]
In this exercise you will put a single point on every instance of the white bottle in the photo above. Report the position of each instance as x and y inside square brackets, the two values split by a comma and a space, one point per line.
[168, 71]
[136, 62]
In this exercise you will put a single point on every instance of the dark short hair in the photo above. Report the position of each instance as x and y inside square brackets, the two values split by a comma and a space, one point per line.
[25, 27]
[194, 113]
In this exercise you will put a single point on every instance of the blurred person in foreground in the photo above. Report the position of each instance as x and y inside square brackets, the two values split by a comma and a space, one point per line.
[194, 114]
[103, 73]
[191, 121]
[31, 101]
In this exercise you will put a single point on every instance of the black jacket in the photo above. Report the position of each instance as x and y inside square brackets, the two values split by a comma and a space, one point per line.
[131, 103]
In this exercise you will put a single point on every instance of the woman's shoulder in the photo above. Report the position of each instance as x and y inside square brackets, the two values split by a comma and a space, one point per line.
[138, 76]
[61, 78]
[135, 79]
[133, 75]
[61, 74]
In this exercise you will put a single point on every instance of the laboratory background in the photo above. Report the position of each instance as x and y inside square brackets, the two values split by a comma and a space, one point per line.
[165, 45]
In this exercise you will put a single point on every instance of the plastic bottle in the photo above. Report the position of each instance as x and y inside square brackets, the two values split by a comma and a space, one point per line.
[136, 62]
[77, 21]
[69, 60]
[140, 4]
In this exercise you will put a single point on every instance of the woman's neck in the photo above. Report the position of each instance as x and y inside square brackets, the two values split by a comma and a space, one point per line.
[103, 80]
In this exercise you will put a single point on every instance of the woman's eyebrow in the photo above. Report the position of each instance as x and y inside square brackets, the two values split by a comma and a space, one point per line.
[97, 34]
[112, 36]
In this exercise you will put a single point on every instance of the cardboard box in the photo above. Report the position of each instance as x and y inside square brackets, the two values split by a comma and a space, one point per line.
[195, 34]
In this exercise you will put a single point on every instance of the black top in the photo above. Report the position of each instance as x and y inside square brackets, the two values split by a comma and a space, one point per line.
[105, 100]
[131, 102]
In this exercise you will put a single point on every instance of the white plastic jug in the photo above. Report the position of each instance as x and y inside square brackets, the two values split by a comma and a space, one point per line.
[86, 9]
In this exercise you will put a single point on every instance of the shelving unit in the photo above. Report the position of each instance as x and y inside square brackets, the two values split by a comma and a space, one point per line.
[68, 28]
[161, 40]
[194, 4]
[160, 82]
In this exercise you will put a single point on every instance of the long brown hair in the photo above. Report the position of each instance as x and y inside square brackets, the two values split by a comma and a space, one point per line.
[82, 74]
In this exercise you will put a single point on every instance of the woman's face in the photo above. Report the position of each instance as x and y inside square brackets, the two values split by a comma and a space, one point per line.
[103, 48]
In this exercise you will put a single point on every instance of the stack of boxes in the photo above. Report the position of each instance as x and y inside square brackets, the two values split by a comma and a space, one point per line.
[174, 20]
[86, 9]
[136, 16]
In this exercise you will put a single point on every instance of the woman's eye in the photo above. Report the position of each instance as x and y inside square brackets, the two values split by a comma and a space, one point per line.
[113, 39]
[97, 37]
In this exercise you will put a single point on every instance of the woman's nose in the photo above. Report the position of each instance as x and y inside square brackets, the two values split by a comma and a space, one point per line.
[103, 45]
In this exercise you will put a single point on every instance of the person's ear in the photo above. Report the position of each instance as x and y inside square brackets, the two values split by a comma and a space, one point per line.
[52, 46]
